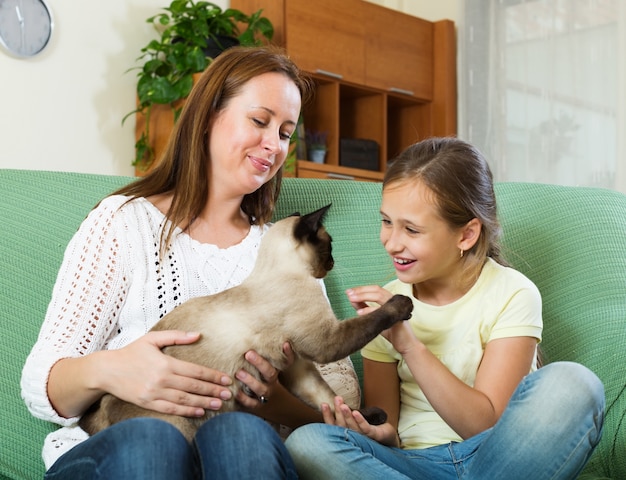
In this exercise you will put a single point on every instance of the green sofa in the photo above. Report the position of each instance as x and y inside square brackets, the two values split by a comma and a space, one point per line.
[570, 241]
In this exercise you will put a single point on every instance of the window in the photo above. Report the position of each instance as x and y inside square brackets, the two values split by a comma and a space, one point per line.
[542, 89]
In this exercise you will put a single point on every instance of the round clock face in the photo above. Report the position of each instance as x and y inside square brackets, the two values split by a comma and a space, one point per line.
[25, 26]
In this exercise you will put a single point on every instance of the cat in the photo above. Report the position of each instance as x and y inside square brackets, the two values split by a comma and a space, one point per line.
[281, 300]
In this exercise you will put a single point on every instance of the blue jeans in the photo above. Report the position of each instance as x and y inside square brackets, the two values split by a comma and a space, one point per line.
[548, 431]
[229, 446]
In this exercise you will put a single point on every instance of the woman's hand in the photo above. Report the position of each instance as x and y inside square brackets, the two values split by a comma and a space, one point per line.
[360, 297]
[344, 416]
[142, 374]
[262, 390]
[139, 373]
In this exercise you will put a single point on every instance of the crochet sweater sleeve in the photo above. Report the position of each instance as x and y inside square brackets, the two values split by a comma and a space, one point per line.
[89, 293]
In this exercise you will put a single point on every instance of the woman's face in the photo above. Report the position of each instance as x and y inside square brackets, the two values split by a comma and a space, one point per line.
[250, 136]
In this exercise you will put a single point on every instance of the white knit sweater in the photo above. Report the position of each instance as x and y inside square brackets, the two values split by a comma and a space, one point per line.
[112, 288]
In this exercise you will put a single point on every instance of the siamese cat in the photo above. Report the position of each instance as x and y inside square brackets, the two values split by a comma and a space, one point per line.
[280, 301]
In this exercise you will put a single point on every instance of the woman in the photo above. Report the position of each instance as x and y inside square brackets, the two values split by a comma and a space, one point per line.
[191, 227]
[459, 380]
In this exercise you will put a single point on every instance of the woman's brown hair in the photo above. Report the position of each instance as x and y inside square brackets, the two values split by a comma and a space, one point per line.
[184, 167]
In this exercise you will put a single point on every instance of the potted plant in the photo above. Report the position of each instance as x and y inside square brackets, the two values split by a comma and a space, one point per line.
[191, 34]
[316, 145]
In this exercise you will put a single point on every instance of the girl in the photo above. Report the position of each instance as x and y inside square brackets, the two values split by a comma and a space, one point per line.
[459, 380]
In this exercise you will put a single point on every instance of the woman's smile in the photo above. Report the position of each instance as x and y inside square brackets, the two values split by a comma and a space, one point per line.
[260, 164]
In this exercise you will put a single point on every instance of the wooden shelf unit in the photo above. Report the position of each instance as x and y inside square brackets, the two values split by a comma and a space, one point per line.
[346, 110]
[380, 75]
[325, 171]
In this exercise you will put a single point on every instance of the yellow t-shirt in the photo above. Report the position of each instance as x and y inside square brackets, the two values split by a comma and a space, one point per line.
[502, 303]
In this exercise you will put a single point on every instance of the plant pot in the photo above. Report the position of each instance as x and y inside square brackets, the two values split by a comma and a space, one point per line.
[317, 155]
[161, 123]
[215, 46]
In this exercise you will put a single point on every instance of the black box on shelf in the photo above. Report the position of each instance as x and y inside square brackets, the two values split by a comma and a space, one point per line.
[358, 153]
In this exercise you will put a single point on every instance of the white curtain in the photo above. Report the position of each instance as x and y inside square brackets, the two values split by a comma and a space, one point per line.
[542, 89]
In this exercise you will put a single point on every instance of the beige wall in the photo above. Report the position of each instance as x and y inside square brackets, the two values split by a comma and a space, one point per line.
[427, 9]
[62, 109]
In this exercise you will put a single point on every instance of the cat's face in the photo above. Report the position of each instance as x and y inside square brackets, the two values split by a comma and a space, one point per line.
[310, 234]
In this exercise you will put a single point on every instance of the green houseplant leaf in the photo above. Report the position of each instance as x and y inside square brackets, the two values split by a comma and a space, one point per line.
[169, 62]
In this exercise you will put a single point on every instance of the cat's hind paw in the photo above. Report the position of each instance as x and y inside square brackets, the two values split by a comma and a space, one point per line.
[374, 415]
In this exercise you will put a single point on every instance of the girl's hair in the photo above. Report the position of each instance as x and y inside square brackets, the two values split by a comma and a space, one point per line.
[184, 167]
[462, 185]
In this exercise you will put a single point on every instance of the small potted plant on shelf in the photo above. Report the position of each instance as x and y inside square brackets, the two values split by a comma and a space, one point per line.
[316, 145]
[191, 34]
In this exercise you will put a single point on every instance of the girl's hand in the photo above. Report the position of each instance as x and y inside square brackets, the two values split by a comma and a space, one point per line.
[402, 338]
[262, 390]
[360, 297]
[142, 374]
[344, 416]
[400, 335]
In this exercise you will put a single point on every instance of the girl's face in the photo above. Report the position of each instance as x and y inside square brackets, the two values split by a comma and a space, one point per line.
[250, 136]
[423, 247]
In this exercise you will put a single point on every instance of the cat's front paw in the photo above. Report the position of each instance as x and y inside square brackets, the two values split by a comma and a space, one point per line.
[401, 305]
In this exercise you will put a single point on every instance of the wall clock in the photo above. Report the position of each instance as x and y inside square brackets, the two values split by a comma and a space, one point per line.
[25, 27]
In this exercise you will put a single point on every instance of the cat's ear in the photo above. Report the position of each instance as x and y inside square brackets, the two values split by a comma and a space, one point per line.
[315, 218]
[322, 211]
[311, 222]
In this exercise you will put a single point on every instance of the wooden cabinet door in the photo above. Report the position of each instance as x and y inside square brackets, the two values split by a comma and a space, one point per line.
[327, 36]
[398, 51]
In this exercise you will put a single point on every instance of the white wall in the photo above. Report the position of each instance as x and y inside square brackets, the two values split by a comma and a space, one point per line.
[62, 110]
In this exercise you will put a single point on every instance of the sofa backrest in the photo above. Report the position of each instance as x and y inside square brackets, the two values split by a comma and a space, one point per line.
[570, 241]
[39, 212]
